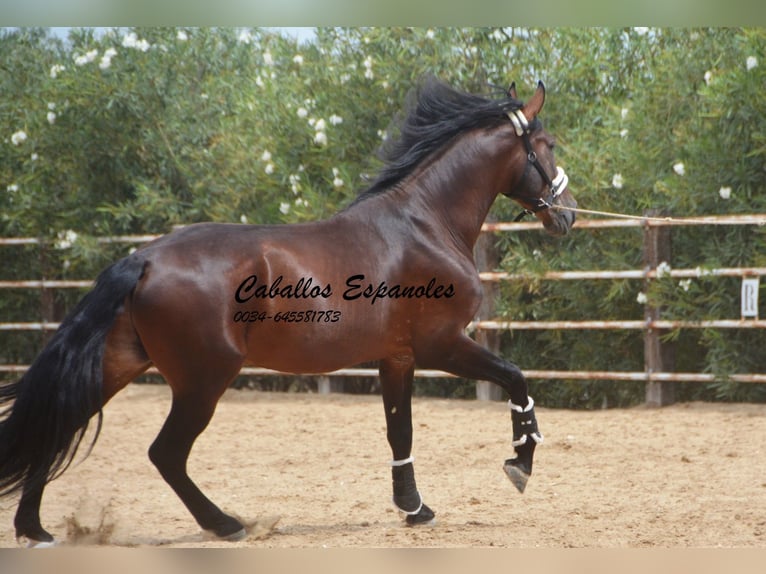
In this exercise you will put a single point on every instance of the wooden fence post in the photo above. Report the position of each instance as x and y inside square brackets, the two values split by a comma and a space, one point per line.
[658, 356]
[327, 384]
[487, 258]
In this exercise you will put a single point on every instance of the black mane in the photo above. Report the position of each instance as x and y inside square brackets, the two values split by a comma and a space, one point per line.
[437, 113]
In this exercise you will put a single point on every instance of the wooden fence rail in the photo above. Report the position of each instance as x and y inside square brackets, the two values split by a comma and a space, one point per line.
[655, 374]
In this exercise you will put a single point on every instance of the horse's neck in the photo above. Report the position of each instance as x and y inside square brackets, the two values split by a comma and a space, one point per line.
[458, 189]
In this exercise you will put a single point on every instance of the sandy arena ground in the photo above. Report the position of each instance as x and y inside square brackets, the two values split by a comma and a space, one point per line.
[311, 471]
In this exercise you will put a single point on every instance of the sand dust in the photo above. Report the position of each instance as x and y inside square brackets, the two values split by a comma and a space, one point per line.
[304, 470]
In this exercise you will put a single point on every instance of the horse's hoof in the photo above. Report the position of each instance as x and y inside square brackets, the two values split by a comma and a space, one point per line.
[31, 543]
[235, 536]
[425, 516]
[228, 528]
[517, 474]
[36, 544]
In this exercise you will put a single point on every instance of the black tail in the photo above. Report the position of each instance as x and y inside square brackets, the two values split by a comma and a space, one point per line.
[50, 407]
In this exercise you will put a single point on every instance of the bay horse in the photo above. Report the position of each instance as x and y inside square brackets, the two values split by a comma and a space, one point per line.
[390, 278]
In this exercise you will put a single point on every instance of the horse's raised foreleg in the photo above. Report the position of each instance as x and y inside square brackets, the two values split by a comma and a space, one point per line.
[396, 384]
[466, 358]
[189, 416]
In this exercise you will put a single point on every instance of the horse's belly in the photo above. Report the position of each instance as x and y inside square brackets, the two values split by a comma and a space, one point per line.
[310, 348]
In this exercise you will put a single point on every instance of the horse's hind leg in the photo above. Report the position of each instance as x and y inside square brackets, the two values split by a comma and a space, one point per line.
[124, 359]
[27, 520]
[189, 416]
[396, 383]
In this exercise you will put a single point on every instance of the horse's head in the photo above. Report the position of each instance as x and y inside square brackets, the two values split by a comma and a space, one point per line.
[542, 188]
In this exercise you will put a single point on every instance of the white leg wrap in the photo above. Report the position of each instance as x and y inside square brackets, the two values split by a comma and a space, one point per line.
[410, 512]
[403, 461]
[520, 409]
[536, 436]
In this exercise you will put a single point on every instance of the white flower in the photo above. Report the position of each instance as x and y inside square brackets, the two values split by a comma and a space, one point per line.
[11, 188]
[51, 106]
[685, 284]
[284, 207]
[663, 269]
[369, 74]
[623, 113]
[337, 182]
[708, 77]
[65, 239]
[725, 192]
[294, 181]
[641, 30]
[268, 59]
[430, 34]
[182, 36]
[345, 78]
[641, 298]
[302, 112]
[300, 202]
[266, 155]
[298, 59]
[34, 157]
[368, 62]
[56, 69]
[320, 125]
[617, 181]
[243, 218]
[245, 37]
[320, 138]
[751, 62]
[51, 118]
[679, 168]
[259, 82]
[269, 169]
[106, 59]
[335, 120]
[19, 137]
[623, 133]
[86, 58]
[130, 40]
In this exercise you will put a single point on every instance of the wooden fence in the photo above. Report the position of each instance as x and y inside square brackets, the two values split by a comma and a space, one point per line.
[658, 378]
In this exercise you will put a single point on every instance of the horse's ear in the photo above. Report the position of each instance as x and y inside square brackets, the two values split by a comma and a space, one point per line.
[512, 91]
[535, 104]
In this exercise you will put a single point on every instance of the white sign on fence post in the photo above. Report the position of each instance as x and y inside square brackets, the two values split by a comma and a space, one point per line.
[750, 297]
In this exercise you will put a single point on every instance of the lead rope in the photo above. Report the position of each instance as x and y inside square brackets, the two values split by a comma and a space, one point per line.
[639, 217]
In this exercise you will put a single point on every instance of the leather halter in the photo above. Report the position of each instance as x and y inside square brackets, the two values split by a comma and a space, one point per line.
[557, 185]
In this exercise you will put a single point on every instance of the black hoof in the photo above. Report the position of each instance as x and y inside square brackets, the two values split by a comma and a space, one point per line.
[424, 516]
[35, 537]
[518, 473]
[229, 529]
